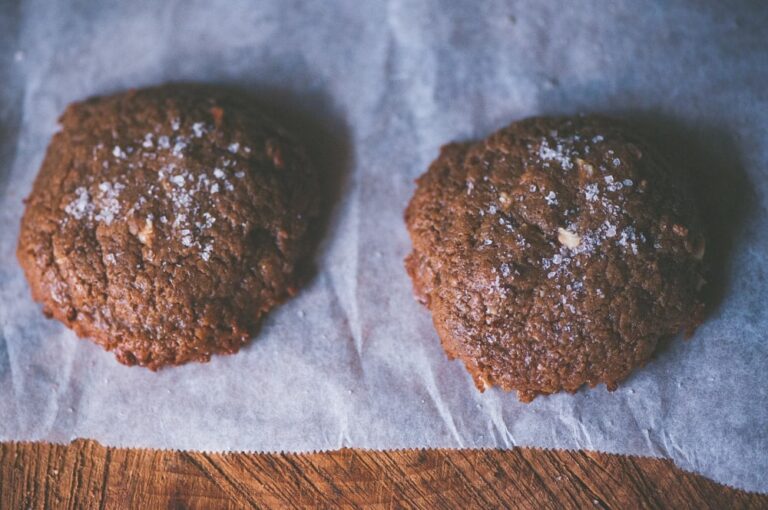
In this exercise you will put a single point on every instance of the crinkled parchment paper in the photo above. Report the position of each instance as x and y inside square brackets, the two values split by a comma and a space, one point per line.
[374, 88]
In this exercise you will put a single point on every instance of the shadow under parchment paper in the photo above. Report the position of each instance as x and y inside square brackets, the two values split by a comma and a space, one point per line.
[313, 121]
[711, 161]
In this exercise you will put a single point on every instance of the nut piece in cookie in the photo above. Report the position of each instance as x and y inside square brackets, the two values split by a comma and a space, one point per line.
[555, 253]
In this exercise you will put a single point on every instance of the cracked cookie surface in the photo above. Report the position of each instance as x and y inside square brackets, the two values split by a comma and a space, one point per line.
[556, 253]
[165, 222]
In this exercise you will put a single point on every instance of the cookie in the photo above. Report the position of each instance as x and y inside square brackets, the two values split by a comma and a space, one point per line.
[165, 222]
[556, 253]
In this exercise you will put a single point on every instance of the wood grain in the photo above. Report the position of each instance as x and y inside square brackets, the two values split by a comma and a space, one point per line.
[85, 474]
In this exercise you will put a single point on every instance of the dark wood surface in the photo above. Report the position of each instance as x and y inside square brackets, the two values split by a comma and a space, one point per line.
[85, 474]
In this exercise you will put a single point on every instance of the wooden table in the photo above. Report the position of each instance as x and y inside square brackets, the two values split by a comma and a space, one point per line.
[87, 475]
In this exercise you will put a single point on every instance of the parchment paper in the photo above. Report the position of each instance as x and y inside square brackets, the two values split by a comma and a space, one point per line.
[374, 88]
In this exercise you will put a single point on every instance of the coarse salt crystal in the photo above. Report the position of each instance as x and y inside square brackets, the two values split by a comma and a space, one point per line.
[179, 219]
[107, 201]
[558, 154]
[205, 254]
[81, 205]
[591, 191]
[178, 148]
[199, 129]
[186, 237]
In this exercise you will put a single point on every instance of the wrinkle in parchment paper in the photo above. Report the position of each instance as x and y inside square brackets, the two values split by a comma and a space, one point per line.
[374, 88]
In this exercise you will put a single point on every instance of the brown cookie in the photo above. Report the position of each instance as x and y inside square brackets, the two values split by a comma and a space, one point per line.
[165, 222]
[555, 253]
